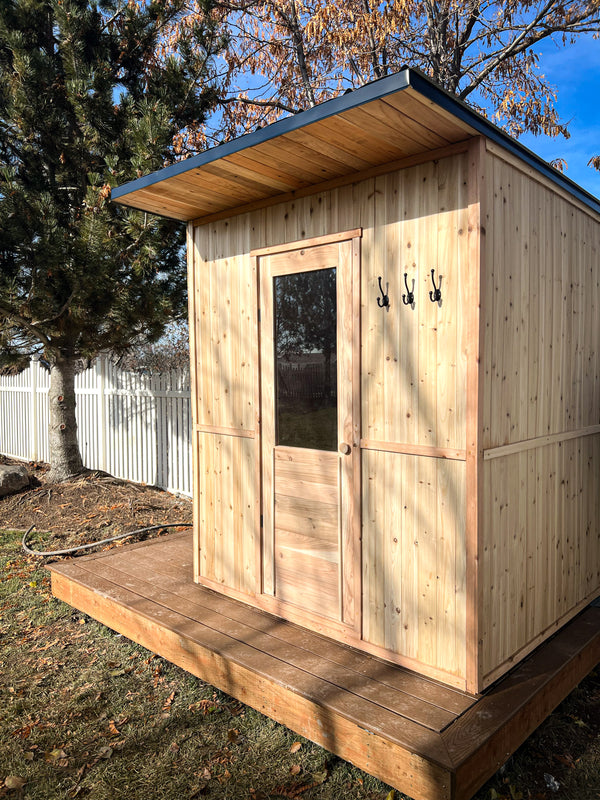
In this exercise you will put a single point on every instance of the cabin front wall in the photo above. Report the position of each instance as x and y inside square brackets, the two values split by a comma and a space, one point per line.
[411, 545]
[540, 412]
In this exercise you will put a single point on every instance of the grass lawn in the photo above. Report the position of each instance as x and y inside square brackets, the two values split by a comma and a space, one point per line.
[86, 713]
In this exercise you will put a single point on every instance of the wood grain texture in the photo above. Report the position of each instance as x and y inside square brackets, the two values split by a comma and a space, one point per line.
[414, 449]
[281, 680]
[351, 178]
[305, 709]
[502, 376]
[293, 650]
[414, 558]
[227, 523]
[541, 441]
[540, 417]
[413, 358]
[306, 529]
[488, 733]
[312, 518]
[475, 288]
[303, 244]
[225, 431]
[499, 152]
[543, 371]
[224, 327]
[171, 561]
[540, 558]
[422, 738]
[404, 358]
[193, 303]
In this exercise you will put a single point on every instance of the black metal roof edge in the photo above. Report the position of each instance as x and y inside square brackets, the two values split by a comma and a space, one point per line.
[375, 90]
[449, 102]
[344, 102]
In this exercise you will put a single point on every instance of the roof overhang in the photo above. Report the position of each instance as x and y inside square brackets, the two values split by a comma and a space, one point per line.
[383, 122]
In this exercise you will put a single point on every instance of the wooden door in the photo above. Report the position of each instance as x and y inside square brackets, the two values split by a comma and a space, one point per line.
[310, 430]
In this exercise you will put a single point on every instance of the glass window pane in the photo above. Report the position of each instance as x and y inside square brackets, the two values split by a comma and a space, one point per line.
[306, 359]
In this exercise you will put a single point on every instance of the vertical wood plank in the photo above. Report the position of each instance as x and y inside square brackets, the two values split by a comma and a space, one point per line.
[347, 410]
[408, 344]
[354, 552]
[267, 382]
[477, 337]
[193, 310]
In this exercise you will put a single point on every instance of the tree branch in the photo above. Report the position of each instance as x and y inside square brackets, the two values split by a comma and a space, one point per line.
[25, 323]
[300, 52]
[522, 42]
[261, 104]
[64, 307]
[374, 61]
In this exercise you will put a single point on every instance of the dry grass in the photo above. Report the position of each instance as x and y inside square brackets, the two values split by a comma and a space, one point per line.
[86, 713]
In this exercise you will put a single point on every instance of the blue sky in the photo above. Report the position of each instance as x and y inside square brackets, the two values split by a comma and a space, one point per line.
[575, 72]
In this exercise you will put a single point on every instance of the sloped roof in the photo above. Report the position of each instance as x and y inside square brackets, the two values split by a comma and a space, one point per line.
[382, 122]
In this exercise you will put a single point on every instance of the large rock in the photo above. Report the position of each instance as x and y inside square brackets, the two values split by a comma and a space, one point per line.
[13, 478]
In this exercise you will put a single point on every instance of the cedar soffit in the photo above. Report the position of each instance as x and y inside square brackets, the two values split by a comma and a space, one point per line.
[383, 122]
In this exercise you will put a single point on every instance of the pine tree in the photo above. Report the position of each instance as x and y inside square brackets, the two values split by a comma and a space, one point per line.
[89, 100]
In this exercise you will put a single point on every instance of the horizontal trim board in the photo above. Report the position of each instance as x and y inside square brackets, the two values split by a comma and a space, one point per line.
[540, 441]
[414, 449]
[215, 429]
[302, 244]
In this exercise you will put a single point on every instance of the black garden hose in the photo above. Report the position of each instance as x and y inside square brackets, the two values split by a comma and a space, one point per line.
[70, 550]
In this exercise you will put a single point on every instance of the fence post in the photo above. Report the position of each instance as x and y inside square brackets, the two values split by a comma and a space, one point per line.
[102, 411]
[33, 409]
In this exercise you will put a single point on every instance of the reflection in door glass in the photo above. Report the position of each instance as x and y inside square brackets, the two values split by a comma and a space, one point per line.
[306, 359]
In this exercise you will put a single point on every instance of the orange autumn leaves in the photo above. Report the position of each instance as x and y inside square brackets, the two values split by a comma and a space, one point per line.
[283, 56]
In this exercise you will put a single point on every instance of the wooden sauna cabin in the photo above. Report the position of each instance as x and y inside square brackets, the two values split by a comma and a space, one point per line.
[395, 327]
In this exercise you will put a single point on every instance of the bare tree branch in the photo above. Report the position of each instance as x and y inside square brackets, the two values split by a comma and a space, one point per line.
[261, 104]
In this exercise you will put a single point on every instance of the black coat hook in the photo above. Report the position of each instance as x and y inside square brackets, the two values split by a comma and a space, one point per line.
[409, 298]
[384, 300]
[436, 295]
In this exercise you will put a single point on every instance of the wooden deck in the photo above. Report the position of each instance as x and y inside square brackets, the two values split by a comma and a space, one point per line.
[425, 739]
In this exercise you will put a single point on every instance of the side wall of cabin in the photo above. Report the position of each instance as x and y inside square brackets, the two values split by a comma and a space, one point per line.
[540, 414]
[413, 404]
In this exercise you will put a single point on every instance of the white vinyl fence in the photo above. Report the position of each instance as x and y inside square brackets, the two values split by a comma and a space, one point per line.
[136, 427]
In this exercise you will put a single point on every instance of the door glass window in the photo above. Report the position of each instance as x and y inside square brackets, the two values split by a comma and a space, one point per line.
[306, 359]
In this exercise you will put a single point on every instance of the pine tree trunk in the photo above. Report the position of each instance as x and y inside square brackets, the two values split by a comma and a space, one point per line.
[65, 458]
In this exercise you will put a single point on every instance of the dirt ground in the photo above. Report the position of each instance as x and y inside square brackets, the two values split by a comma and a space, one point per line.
[89, 508]
[87, 712]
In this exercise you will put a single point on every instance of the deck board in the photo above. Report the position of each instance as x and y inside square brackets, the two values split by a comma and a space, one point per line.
[176, 576]
[426, 739]
[335, 699]
[314, 663]
[477, 748]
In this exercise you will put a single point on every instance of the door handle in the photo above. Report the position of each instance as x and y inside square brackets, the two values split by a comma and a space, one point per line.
[345, 449]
